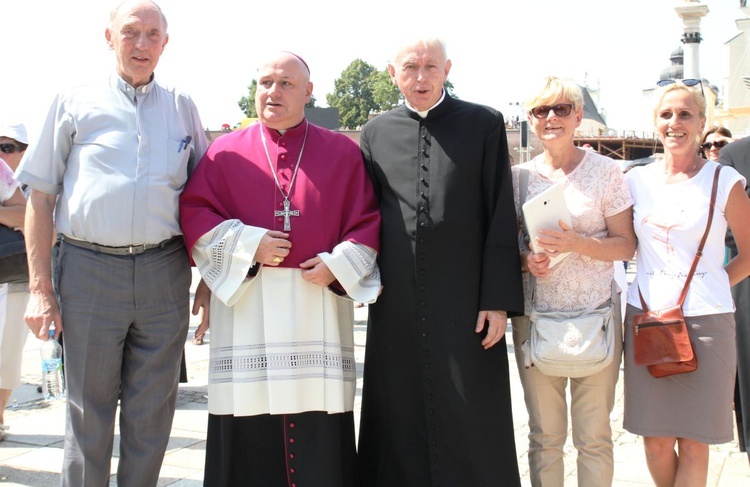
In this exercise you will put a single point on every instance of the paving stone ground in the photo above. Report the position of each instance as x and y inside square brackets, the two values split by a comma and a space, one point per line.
[32, 453]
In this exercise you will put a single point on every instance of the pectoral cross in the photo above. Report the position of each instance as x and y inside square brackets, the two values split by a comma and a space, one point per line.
[286, 213]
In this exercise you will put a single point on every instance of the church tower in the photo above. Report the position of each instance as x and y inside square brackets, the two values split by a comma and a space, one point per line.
[734, 111]
[691, 12]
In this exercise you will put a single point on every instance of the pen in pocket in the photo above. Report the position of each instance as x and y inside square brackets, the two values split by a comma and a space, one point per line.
[184, 143]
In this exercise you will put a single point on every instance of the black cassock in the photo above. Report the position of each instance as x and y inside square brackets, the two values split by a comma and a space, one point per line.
[737, 155]
[436, 406]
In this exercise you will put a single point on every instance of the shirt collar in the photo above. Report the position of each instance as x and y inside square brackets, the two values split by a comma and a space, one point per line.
[424, 113]
[294, 132]
[124, 86]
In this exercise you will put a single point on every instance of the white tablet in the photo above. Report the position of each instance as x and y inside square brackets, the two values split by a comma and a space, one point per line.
[542, 212]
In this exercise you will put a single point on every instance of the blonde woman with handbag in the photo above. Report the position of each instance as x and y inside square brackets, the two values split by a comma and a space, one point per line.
[680, 415]
[581, 284]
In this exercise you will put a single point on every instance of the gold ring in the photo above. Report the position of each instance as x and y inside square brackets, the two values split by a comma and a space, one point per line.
[277, 259]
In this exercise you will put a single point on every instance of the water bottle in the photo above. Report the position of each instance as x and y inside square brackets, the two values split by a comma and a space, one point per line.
[53, 386]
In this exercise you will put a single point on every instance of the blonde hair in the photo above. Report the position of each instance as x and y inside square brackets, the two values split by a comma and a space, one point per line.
[697, 95]
[552, 89]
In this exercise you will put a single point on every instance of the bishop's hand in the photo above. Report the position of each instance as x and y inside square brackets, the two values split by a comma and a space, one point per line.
[273, 248]
[317, 272]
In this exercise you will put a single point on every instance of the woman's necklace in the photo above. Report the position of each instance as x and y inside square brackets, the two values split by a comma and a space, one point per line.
[692, 169]
[286, 212]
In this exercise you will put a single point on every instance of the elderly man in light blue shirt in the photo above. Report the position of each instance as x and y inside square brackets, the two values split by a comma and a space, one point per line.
[110, 164]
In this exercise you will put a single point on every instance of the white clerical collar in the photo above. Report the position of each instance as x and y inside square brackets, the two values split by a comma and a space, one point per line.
[424, 113]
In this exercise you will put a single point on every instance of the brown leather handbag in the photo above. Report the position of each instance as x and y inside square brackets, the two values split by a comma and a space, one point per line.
[661, 341]
[660, 337]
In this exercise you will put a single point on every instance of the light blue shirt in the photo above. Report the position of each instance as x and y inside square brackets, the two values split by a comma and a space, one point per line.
[116, 157]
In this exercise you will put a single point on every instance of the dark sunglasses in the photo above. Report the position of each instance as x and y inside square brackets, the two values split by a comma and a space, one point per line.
[561, 110]
[717, 143]
[687, 82]
[10, 148]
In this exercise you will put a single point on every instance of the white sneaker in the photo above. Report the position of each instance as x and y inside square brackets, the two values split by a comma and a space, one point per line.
[2, 431]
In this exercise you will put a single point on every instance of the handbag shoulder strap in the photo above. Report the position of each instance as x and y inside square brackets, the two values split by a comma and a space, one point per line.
[523, 187]
[699, 253]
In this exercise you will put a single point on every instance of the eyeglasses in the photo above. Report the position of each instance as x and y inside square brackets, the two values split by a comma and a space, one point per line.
[717, 143]
[687, 82]
[561, 110]
[10, 148]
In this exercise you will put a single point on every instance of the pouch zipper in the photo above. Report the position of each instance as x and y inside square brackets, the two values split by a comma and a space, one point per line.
[661, 323]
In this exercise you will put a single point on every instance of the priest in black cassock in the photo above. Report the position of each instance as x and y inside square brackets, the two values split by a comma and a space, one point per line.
[737, 155]
[436, 406]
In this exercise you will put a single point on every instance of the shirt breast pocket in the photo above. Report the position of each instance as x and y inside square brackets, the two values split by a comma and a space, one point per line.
[178, 158]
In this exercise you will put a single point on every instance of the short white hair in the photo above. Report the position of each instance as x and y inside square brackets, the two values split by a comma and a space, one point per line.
[427, 41]
[115, 11]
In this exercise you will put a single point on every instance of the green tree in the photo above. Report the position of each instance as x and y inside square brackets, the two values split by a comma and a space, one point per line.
[385, 95]
[352, 94]
[247, 103]
[449, 89]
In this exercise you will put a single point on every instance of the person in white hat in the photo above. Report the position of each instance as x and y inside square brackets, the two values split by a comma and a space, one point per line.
[13, 143]
[13, 297]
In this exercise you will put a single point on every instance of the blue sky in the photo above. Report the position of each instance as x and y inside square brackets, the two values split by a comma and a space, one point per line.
[619, 47]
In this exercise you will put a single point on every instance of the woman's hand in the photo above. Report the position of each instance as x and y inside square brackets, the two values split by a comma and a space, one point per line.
[618, 244]
[554, 241]
[538, 264]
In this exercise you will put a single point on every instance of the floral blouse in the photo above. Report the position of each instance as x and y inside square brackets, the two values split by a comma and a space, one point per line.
[594, 190]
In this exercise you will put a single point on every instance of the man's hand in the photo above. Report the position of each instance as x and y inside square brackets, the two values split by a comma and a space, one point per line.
[202, 305]
[273, 248]
[498, 322]
[42, 311]
[317, 272]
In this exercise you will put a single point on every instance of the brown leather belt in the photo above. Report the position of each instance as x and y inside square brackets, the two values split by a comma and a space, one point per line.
[126, 250]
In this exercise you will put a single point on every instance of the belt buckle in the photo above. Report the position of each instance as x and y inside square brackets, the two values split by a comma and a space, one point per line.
[136, 249]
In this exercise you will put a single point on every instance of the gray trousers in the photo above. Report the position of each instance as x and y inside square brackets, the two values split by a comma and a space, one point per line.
[125, 325]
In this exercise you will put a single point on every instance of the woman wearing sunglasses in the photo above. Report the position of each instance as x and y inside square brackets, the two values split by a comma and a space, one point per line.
[712, 142]
[678, 416]
[601, 233]
[13, 143]
[13, 330]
